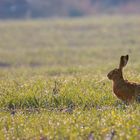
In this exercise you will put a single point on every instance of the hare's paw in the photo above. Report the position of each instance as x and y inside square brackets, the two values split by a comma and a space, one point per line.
[138, 99]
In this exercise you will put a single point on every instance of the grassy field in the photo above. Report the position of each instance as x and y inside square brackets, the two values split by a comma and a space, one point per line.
[53, 82]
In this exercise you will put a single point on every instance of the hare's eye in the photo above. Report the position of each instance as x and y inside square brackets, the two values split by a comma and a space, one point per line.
[112, 72]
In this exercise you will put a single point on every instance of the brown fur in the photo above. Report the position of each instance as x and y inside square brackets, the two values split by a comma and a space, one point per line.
[123, 89]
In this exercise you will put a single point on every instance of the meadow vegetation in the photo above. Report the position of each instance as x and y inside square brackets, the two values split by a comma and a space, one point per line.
[53, 82]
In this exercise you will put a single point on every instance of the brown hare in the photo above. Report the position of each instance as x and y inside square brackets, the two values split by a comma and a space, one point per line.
[123, 89]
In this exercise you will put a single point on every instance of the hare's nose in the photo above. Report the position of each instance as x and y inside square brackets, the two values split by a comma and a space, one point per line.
[108, 75]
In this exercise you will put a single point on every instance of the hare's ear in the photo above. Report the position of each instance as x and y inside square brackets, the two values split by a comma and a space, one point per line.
[123, 61]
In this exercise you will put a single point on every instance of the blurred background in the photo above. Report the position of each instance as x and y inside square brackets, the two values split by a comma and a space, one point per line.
[65, 8]
[68, 36]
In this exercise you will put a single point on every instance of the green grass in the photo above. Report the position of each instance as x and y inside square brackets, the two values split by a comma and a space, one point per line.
[53, 82]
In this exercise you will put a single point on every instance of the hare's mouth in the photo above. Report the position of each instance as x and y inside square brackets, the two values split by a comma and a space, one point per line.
[109, 76]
